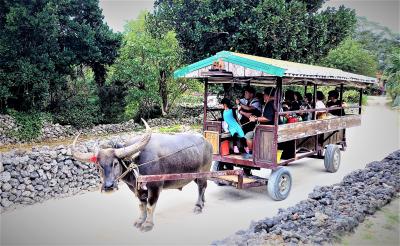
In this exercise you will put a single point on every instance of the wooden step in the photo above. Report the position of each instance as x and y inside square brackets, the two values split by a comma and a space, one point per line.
[234, 178]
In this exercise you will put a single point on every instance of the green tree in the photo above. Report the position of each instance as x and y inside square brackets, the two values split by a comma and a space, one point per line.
[42, 43]
[351, 57]
[28, 53]
[285, 29]
[392, 75]
[145, 67]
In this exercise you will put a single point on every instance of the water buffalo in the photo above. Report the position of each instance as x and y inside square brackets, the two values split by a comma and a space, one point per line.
[179, 153]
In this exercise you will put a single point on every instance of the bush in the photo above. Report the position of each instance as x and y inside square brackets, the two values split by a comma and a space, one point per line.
[142, 103]
[78, 111]
[113, 103]
[191, 98]
[29, 125]
[353, 96]
[374, 90]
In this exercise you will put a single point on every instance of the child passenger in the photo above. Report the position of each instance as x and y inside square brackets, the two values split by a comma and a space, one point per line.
[233, 126]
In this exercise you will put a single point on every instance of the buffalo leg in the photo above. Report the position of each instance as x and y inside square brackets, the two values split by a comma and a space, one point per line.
[202, 185]
[154, 193]
[142, 195]
[143, 214]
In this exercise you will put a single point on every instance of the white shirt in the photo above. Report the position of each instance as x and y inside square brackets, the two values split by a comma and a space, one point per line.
[320, 104]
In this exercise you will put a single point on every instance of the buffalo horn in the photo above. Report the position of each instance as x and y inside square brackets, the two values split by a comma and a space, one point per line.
[84, 157]
[136, 147]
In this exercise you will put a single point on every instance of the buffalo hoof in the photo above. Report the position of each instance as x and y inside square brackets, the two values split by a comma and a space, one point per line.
[146, 226]
[197, 210]
[138, 223]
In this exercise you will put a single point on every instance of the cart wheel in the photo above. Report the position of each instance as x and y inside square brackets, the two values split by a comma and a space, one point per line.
[279, 184]
[220, 166]
[332, 158]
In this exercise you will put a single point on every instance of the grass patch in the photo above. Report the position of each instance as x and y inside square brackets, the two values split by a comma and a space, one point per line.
[170, 129]
[368, 236]
[391, 217]
[388, 227]
[368, 224]
[345, 242]
[197, 127]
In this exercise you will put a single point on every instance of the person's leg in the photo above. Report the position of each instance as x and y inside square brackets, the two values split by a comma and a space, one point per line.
[234, 141]
[249, 141]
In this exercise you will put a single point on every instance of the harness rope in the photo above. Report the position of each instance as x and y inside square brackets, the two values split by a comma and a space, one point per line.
[135, 167]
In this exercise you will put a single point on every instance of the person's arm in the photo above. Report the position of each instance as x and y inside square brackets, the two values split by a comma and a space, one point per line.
[260, 119]
[245, 107]
[245, 114]
[253, 105]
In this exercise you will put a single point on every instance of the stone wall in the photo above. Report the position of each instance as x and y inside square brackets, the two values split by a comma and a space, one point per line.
[7, 124]
[50, 131]
[27, 177]
[330, 211]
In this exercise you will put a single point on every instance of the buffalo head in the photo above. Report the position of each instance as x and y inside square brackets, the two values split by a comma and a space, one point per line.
[109, 159]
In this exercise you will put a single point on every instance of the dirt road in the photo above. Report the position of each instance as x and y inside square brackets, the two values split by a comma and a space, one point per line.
[95, 218]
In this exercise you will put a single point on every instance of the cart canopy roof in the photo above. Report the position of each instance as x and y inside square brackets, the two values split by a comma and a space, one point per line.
[242, 68]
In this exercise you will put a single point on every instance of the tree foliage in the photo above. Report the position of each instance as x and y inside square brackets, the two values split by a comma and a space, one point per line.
[392, 75]
[145, 68]
[284, 29]
[42, 43]
[351, 57]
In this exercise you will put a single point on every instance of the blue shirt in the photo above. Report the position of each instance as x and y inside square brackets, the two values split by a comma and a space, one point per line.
[233, 125]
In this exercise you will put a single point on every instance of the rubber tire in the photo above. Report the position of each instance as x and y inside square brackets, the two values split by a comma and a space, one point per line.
[332, 151]
[220, 166]
[273, 184]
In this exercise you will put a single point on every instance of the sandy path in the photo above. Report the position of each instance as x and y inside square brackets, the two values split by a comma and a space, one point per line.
[95, 218]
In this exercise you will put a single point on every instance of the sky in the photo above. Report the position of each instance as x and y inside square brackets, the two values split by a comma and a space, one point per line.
[384, 12]
[118, 12]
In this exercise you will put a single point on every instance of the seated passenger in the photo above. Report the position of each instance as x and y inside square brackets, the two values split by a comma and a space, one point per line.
[306, 104]
[248, 106]
[334, 102]
[298, 99]
[267, 117]
[286, 105]
[233, 126]
[288, 100]
[319, 104]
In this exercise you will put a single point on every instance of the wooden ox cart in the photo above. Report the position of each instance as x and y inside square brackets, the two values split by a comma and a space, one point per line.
[315, 138]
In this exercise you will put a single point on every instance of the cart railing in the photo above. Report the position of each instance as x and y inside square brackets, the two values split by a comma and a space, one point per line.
[317, 110]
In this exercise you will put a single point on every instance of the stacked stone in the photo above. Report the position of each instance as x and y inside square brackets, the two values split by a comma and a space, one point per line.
[330, 211]
[163, 122]
[182, 116]
[186, 111]
[7, 124]
[56, 131]
[41, 174]
[110, 128]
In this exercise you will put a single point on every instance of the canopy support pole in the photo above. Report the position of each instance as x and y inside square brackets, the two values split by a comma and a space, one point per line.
[205, 103]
